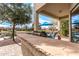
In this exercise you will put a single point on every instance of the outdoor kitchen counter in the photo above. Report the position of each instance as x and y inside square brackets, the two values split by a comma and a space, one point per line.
[36, 45]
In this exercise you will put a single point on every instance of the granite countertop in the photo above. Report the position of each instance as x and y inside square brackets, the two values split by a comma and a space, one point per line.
[50, 46]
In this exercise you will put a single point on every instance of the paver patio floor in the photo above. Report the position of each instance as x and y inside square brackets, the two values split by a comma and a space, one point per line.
[10, 48]
[50, 46]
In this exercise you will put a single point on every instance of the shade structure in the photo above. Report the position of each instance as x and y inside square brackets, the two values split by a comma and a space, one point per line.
[46, 24]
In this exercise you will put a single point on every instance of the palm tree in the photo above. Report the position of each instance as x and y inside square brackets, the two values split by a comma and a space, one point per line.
[18, 13]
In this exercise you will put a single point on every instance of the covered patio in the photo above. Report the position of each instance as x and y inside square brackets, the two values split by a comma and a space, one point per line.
[59, 11]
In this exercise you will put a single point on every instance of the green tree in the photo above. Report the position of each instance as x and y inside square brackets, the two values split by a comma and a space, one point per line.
[18, 13]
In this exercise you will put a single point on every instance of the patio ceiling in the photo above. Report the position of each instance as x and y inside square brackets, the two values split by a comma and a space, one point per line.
[55, 9]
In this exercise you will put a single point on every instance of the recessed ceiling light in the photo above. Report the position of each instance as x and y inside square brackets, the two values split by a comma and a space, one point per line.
[60, 11]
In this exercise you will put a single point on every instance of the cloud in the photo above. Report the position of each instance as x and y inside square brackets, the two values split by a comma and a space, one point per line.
[42, 20]
[4, 26]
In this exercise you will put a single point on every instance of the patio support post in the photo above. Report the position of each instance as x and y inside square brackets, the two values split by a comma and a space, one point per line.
[36, 24]
[70, 26]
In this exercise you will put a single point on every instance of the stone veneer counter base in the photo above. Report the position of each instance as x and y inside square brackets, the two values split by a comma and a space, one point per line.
[41, 46]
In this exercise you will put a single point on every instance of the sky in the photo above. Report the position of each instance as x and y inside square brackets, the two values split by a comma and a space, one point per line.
[42, 19]
[5, 24]
[75, 18]
[45, 19]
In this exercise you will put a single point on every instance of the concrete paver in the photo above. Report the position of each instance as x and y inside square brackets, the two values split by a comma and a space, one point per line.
[10, 48]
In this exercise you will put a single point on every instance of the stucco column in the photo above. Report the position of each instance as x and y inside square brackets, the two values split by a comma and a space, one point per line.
[59, 25]
[70, 25]
[36, 22]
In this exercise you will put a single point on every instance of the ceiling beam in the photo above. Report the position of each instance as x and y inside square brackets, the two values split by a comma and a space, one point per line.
[48, 13]
[41, 8]
[66, 16]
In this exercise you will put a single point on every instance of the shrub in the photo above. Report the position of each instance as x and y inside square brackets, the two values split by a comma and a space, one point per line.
[64, 27]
